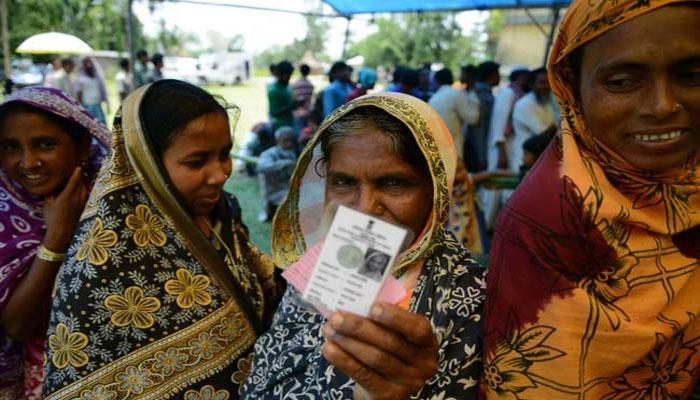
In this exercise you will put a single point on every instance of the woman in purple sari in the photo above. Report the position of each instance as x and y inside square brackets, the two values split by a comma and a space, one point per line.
[50, 151]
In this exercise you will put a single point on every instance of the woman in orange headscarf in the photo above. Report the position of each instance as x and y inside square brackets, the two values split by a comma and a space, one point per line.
[593, 287]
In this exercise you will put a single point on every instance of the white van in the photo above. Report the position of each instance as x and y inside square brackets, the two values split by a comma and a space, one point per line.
[224, 68]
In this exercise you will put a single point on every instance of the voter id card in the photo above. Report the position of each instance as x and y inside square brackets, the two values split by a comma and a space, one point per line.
[356, 257]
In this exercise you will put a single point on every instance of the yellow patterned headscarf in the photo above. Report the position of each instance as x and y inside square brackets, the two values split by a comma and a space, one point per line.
[593, 276]
[297, 225]
[145, 305]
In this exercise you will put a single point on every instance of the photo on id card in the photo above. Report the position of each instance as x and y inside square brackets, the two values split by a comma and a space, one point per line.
[356, 258]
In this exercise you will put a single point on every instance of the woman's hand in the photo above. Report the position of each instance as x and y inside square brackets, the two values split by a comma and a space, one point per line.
[62, 211]
[389, 355]
[26, 310]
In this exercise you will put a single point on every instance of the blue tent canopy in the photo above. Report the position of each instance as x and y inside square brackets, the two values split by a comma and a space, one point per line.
[351, 7]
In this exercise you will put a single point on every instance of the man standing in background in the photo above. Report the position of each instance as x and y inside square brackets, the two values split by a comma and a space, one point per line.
[454, 107]
[279, 96]
[487, 76]
[141, 68]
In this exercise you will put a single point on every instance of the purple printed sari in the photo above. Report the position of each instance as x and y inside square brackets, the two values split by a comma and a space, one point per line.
[22, 231]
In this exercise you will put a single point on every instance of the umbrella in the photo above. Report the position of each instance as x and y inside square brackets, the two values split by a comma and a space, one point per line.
[53, 43]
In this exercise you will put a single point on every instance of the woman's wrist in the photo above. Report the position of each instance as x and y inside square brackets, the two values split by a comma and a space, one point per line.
[56, 243]
[48, 255]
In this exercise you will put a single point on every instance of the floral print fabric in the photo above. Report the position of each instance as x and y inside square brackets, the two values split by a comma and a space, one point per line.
[594, 261]
[22, 231]
[139, 309]
[450, 292]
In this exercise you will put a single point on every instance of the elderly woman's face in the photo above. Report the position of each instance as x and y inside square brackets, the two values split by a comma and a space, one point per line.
[640, 88]
[365, 173]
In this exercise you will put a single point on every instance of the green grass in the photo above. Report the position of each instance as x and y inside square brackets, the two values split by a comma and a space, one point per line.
[247, 191]
[251, 98]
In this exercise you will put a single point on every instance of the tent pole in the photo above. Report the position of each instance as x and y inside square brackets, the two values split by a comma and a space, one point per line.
[347, 38]
[550, 37]
[130, 40]
[7, 65]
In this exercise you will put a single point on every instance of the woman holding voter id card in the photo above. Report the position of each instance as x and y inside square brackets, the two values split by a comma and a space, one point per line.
[387, 159]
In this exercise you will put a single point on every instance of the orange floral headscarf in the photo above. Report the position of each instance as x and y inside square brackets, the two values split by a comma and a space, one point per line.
[662, 201]
[593, 281]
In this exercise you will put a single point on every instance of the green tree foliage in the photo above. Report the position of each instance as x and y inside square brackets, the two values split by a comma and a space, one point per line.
[316, 35]
[172, 41]
[492, 28]
[412, 39]
[101, 23]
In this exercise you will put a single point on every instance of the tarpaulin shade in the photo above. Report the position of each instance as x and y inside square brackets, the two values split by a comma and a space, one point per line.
[350, 7]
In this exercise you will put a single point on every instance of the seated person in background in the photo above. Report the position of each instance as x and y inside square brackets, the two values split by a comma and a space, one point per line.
[428, 346]
[532, 150]
[275, 167]
[50, 151]
[307, 133]
[258, 139]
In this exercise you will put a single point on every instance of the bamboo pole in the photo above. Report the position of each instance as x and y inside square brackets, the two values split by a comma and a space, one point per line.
[7, 65]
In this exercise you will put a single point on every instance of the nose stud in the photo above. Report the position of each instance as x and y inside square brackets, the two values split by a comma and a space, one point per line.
[678, 107]
[379, 209]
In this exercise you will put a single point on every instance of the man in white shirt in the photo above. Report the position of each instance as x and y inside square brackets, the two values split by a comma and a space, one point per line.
[62, 79]
[537, 113]
[125, 81]
[455, 107]
[500, 139]
[501, 128]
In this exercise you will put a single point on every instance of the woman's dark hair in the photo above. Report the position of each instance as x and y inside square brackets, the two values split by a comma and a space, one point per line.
[76, 131]
[169, 105]
[403, 142]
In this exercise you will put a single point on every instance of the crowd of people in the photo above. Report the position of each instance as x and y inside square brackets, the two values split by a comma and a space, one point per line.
[88, 85]
[126, 271]
[489, 131]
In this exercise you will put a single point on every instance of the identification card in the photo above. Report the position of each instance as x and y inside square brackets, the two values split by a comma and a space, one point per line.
[356, 257]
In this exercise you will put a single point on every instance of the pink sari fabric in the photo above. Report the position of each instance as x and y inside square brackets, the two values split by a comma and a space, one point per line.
[21, 232]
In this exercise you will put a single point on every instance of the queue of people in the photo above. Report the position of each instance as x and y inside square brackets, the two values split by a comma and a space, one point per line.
[127, 272]
[88, 85]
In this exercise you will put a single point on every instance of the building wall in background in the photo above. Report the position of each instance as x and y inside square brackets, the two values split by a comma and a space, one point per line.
[520, 41]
